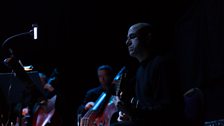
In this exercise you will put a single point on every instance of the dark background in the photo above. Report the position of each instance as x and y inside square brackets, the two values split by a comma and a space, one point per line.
[81, 35]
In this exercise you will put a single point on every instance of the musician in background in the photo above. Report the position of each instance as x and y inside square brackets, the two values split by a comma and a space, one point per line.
[52, 88]
[46, 85]
[51, 84]
[105, 76]
[46, 105]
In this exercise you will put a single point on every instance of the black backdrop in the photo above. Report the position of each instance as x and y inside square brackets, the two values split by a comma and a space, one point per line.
[80, 35]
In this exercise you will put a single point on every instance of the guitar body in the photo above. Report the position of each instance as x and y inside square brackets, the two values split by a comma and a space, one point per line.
[44, 113]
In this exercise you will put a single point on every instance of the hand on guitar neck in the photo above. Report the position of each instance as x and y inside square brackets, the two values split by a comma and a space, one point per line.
[122, 116]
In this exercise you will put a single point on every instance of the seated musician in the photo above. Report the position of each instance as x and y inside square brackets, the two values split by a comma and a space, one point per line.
[45, 108]
[105, 76]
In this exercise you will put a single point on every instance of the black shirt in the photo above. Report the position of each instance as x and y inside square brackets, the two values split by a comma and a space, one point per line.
[158, 97]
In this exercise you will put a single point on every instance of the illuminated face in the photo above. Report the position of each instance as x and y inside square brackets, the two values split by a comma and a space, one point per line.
[104, 78]
[133, 42]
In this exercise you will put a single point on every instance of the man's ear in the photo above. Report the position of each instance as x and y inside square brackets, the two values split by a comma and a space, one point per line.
[147, 39]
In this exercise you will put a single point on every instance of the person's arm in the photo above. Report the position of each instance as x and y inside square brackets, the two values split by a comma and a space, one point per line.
[52, 83]
[88, 101]
[55, 77]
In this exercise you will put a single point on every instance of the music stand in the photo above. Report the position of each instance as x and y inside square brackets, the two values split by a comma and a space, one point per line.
[13, 88]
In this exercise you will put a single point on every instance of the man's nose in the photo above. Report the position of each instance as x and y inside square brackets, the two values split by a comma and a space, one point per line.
[128, 42]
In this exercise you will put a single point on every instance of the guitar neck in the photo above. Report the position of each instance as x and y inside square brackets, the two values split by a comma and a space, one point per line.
[119, 80]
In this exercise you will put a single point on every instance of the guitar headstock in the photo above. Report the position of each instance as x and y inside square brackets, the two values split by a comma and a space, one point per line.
[118, 79]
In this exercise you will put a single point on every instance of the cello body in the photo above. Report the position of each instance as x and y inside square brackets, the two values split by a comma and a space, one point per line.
[97, 117]
[44, 113]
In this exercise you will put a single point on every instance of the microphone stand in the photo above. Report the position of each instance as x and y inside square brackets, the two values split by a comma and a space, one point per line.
[14, 36]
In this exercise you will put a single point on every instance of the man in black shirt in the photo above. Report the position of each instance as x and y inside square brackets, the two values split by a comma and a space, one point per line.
[158, 98]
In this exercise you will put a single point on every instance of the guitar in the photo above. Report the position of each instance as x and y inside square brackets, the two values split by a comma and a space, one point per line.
[105, 106]
[44, 112]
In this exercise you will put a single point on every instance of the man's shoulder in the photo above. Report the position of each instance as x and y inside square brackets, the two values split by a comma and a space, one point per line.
[165, 59]
[94, 90]
[156, 61]
[162, 62]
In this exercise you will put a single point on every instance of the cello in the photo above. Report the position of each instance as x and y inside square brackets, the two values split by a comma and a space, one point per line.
[44, 112]
[105, 106]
